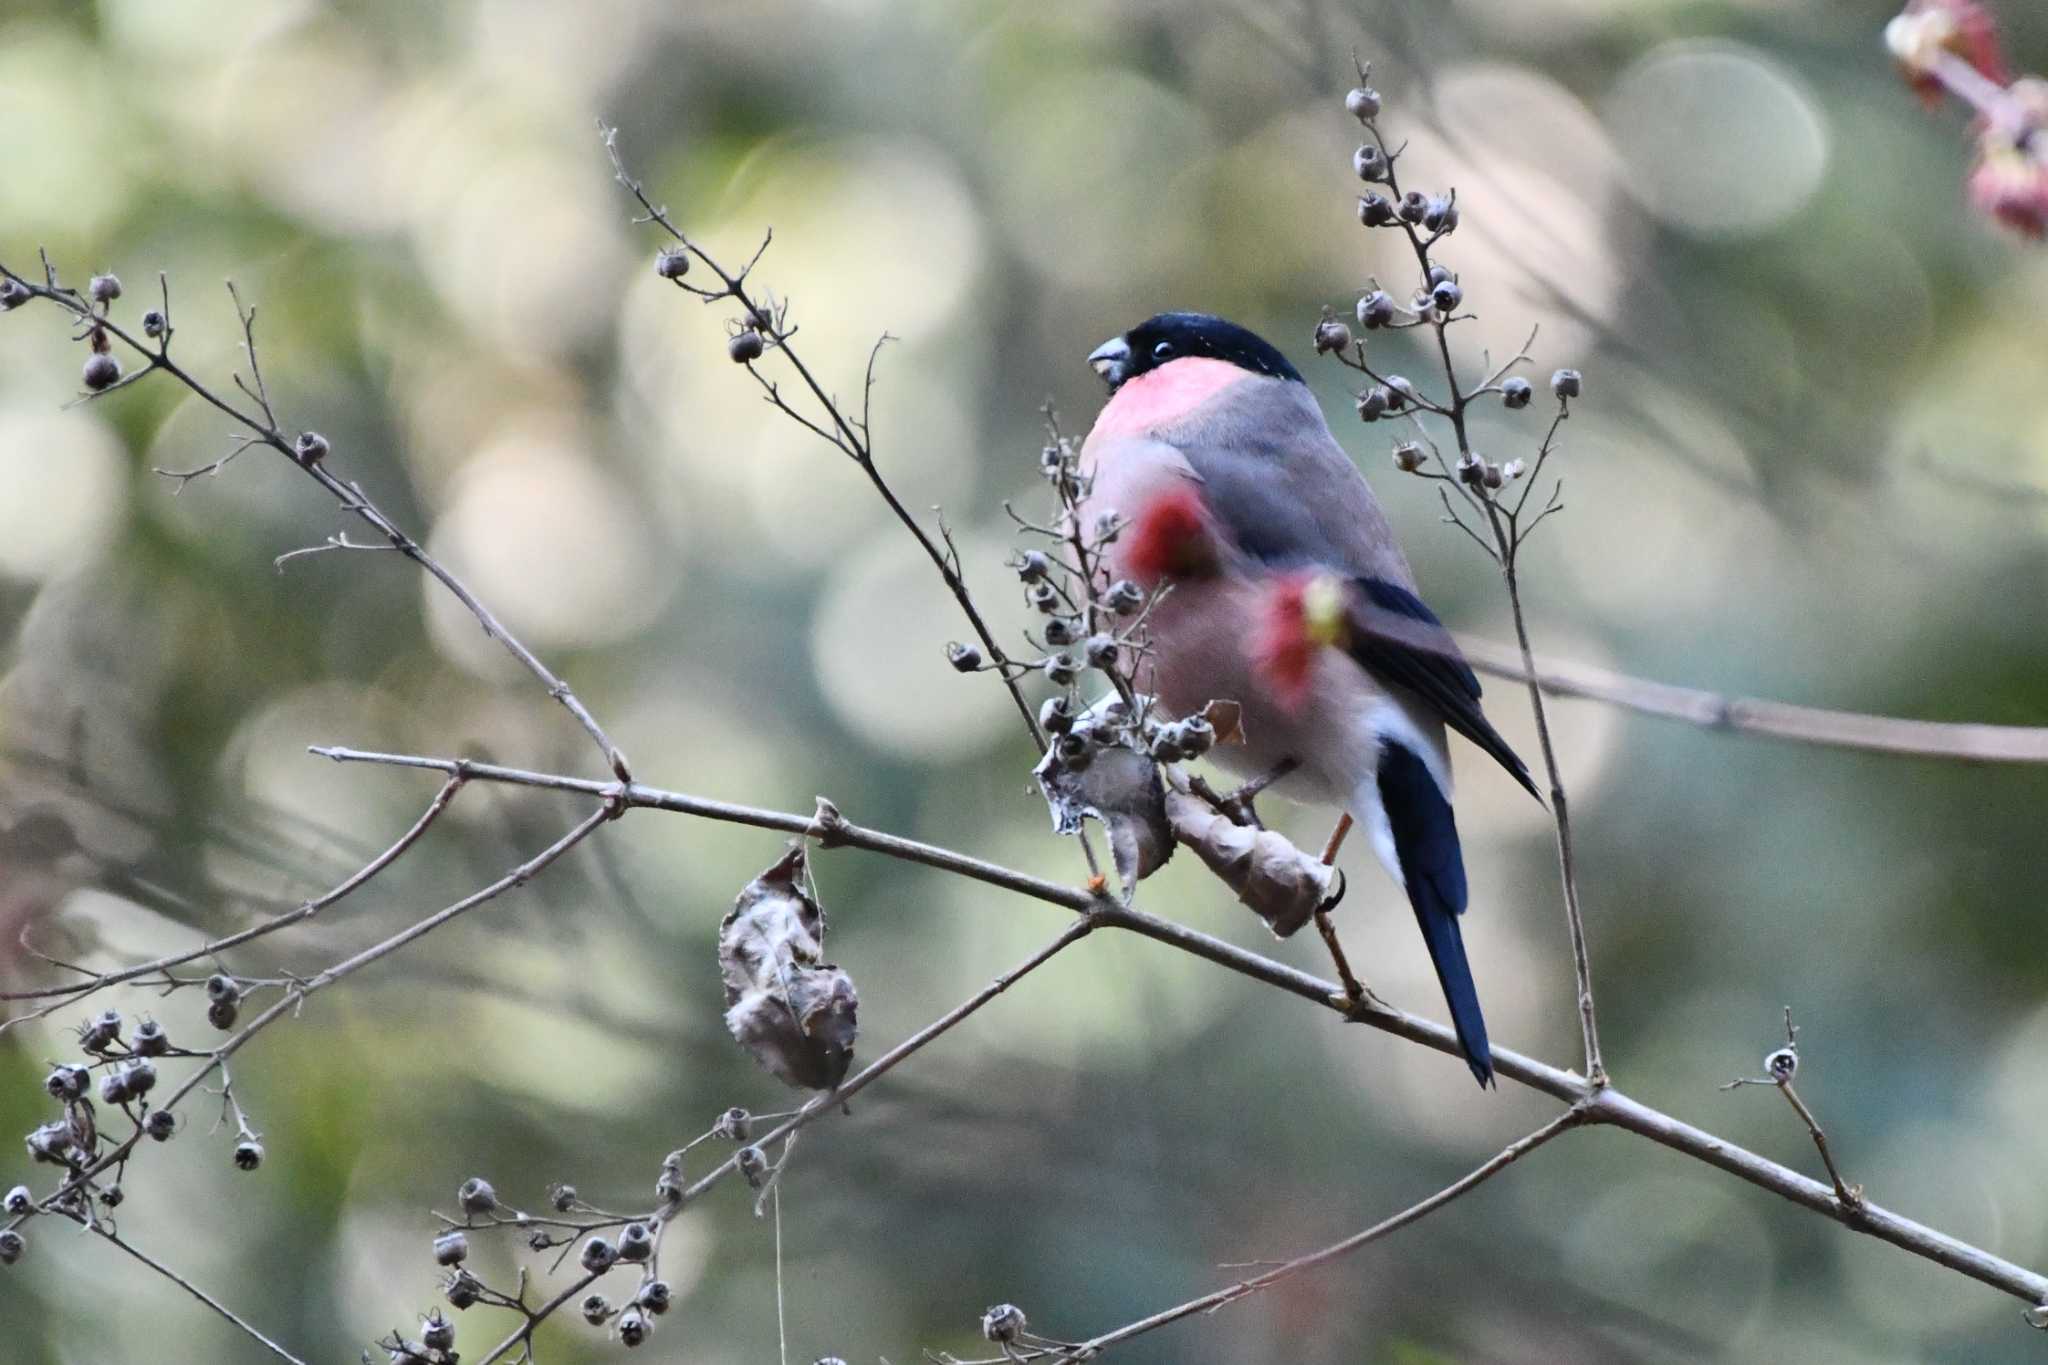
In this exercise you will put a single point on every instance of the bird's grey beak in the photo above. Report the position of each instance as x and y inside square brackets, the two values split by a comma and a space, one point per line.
[1112, 360]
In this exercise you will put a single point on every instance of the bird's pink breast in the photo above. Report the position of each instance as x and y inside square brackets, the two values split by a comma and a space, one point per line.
[1165, 395]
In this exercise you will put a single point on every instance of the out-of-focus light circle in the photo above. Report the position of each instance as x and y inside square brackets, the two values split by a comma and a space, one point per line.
[1982, 1190]
[538, 530]
[1536, 179]
[1719, 141]
[878, 645]
[1072, 148]
[66, 490]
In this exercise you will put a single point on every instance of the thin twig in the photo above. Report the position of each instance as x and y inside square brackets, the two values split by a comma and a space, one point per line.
[847, 434]
[822, 1105]
[1782, 1066]
[196, 1292]
[264, 429]
[1209, 1303]
[68, 995]
[1975, 743]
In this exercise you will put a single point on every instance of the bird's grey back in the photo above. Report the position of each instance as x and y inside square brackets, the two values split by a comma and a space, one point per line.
[1286, 489]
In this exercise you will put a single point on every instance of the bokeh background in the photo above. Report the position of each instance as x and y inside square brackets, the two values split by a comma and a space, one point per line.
[1812, 465]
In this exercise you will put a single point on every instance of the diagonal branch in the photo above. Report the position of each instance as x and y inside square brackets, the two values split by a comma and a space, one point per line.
[1601, 1104]
[196, 1292]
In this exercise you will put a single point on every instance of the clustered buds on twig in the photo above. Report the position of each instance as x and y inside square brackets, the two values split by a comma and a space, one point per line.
[1424, 220]
[1952, 46]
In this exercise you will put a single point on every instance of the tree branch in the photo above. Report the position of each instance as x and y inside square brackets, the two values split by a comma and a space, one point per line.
[1600, 1104]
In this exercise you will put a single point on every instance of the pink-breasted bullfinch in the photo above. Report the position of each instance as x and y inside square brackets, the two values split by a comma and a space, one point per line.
[1289, 596]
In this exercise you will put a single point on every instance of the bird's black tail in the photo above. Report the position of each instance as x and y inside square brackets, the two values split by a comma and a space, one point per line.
[1426, 841]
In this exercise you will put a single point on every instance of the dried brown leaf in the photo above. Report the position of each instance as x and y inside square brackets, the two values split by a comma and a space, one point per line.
[1282, 884]
[796, 1013]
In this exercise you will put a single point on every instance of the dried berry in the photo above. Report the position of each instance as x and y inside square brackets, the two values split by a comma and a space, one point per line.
[1566, 383]
[12, 1244]
[222, 1014]
[18, 1200]
[149, 1039]
[476, 1195]
[1332, 335]
[451, 1248]
[753, 1165]
[655, 1296]
[436, 1332]
[104, 288]
[160, 1125]
[745, 347]
[964, 658]
[311, 448]
[101, 371]
[463, 1289]
[1061, 669]
[636, 1242]
[734, 1125]
[672, 263]
[1408, 457]
[1447, 296]
[1124, 597]
[1363, 103]
[634, 1327]
[1515, 392]
[1004, 1322]
[1056, 715]
[597, 1309]
[154, 323]
[68, 1082]
[1413, 205]
[1375, 310]
[1374, 210]
[598, 1255]
[248, 1154]
[1369, 163]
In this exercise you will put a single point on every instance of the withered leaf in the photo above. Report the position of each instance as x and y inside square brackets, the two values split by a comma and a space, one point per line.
[1120, 788]
[795, 1012]
[1282, 884]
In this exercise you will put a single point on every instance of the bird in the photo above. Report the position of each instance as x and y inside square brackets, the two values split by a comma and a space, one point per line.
[1288, 594]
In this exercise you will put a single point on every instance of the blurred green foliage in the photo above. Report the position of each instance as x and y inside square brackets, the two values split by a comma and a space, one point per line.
[1813, 465]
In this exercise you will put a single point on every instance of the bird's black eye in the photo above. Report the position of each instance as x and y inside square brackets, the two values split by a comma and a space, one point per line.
[1163, 351]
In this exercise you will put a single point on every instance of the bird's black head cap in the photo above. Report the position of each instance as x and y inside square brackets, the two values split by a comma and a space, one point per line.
[1168, 337]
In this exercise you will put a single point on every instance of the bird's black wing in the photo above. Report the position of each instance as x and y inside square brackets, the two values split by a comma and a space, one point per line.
[1399, 640]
